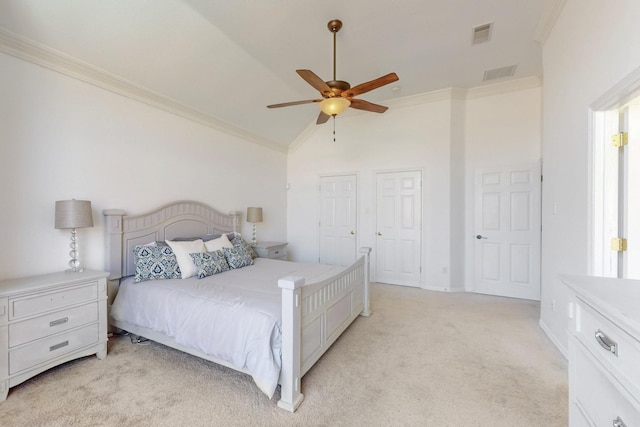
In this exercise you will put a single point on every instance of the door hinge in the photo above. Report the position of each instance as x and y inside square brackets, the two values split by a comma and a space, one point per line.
[619, 244]
[620, 139]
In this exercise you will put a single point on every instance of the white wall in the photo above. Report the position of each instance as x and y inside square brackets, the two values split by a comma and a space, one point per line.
[63, 138]
[500, 129]
[593, 46]
[446, 136]
[416, 138]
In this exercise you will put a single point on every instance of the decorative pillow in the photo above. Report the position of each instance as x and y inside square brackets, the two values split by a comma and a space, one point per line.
[155, 262]
[239, 242]
[182, 251]
[238, 257]
[210, 263]
[219, 243]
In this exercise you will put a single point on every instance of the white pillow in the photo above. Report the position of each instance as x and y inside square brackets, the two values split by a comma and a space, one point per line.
[182, 251]
[219, 243]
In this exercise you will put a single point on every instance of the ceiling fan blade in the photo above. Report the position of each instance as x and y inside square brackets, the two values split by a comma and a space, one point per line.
[288, 104]
[315, 81]
[373, 84]
[360, 104]
[322, 118]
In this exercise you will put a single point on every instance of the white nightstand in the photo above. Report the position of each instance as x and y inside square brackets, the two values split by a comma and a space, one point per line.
[48, 320]
[273, 250]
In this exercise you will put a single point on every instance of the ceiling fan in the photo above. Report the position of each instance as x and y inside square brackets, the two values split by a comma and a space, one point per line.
[337, 95]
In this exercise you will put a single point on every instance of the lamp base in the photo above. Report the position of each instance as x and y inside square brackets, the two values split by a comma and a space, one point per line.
[74, 264]
[253, 239]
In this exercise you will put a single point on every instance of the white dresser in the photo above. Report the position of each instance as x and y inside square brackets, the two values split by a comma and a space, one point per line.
[604, 352]
[48, 320]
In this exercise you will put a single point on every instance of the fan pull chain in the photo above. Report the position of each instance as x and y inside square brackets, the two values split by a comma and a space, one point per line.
[334, 128]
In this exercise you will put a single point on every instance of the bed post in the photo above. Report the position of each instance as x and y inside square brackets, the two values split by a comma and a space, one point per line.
[290, 395]
[113, 249]
[366, 309]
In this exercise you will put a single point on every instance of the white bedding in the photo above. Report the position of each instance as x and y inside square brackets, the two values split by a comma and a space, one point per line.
[234, 316]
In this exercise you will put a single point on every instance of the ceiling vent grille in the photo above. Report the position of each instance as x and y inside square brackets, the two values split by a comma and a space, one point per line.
[482, 33]
[499, 73]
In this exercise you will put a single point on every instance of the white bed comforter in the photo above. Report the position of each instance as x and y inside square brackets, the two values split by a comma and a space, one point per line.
[234, 316]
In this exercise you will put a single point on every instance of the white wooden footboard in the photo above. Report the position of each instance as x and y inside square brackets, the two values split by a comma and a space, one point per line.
[313, 317]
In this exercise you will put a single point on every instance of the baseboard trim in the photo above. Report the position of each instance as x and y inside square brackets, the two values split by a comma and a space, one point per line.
[435, 288]
[561, 348]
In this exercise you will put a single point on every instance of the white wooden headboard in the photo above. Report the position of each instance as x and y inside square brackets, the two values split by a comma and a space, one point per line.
[174, 220]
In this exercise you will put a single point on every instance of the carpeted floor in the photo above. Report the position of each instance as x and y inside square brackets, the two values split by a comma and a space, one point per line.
[422, 359]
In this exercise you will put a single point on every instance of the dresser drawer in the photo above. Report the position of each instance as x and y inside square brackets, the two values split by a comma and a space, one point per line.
[597, 395]
[48, 301]
[52, 323]
[623, 357]
[47, 349]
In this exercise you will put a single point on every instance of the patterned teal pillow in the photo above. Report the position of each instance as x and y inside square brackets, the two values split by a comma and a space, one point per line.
[239, 242]
[238, 257]
[210, 263]
[155, 262]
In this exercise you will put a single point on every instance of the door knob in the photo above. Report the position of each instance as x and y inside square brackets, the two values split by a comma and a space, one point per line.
[479, 236]
[379, 233]
[353, 232]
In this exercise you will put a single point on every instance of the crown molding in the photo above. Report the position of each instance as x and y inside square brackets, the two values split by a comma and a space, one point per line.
[427, 97]
[28, 50]
[515, 85]
[548, 21]
[448, 94]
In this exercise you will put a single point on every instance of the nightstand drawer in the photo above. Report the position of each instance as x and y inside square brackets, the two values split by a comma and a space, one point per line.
[53, 323]
[597, 395]
[43, 302]
[30, 355]
[617, 350]
[273, 250]
[276, 253]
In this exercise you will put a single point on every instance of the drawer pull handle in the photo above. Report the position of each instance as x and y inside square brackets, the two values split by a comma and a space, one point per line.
[606, 342]
[618, 422]
[58, 322]
[58, 346]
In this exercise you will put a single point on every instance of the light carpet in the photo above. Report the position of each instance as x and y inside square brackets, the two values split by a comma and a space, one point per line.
[422, 359]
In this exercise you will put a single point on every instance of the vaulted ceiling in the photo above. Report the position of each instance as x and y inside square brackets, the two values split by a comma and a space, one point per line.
[225, 61]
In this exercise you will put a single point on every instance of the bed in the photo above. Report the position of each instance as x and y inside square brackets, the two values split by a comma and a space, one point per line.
[281, 316]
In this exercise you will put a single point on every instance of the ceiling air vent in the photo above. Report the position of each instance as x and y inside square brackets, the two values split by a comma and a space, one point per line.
[499, 73]
[482, 33]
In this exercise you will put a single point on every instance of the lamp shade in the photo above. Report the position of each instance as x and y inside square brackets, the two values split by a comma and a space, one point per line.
[254, 215]
[335, 105]
[73, 214]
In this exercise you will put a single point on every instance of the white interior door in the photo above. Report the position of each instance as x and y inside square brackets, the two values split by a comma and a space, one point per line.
[507, 227]
[399, 228]
[337, 227]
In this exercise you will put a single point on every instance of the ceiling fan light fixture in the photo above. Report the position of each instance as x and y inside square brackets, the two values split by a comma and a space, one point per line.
[334, 105]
